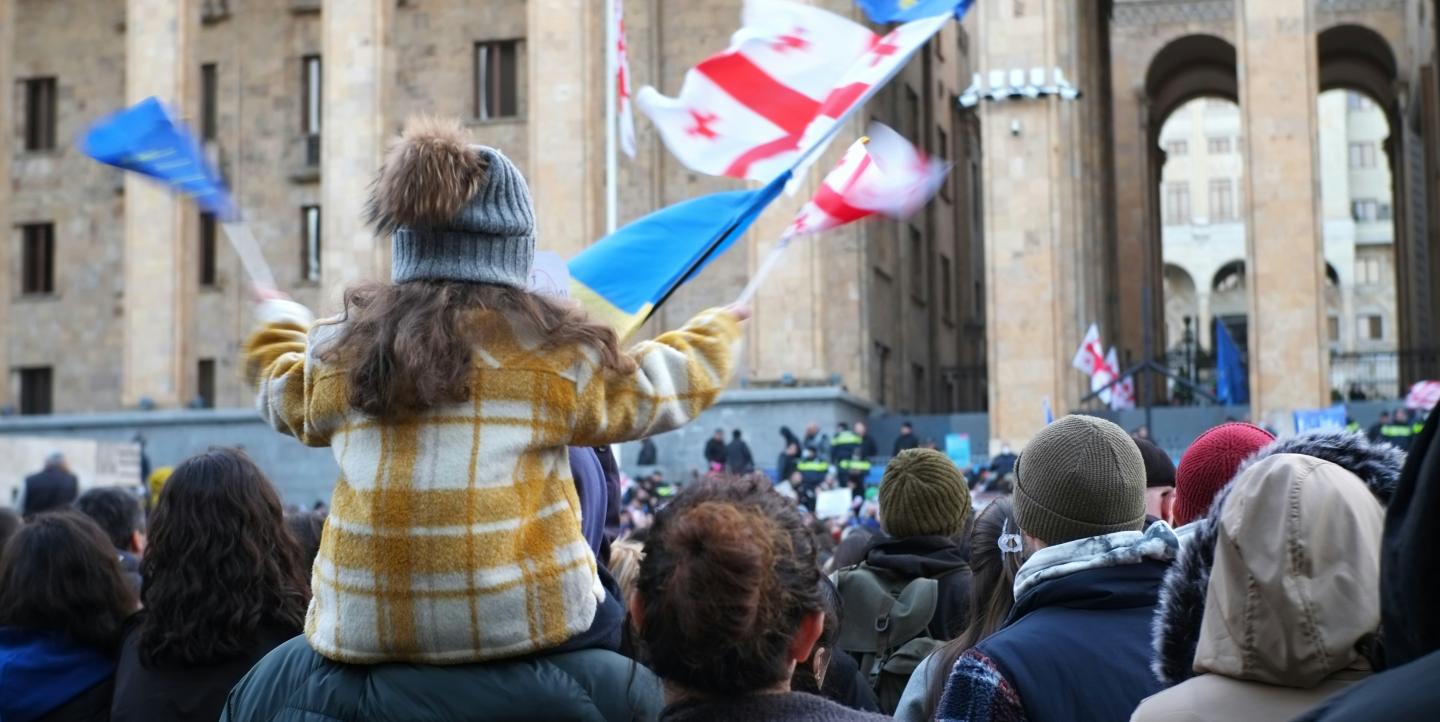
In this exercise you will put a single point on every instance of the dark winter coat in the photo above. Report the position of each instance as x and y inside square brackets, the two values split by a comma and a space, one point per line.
[181, 692]
[647, 454]
[294, 684]
[785, 465]
[930, 557]
[1409, 596]
[52, 488]
[715, 451]
[738, 459]
[787, 707]
[45, 676]
[1182, 597]
[905, 442]
[1077, 642]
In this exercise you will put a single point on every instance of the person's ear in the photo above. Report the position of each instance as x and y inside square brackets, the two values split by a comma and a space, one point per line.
[812, 625]
[137, 542]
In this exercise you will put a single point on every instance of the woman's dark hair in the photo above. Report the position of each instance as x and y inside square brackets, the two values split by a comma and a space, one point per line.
[729, 575]
[306, 526]
[10, 522]
[220, 563]
[59, 573]
[992, 591]
[407, 347]
[116, 510]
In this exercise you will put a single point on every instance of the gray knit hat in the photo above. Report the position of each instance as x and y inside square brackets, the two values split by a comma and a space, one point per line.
[454, 211]
[923, 493]
[1079, 477]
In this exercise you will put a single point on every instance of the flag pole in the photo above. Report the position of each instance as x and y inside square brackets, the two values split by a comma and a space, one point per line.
[766, 267]
[612, 61]
[249, 252]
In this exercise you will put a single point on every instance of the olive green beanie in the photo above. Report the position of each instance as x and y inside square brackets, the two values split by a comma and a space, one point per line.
[923, 493]
[1081, 476]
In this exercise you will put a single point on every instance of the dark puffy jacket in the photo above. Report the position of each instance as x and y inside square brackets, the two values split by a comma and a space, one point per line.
[53, 488]
[294, 684]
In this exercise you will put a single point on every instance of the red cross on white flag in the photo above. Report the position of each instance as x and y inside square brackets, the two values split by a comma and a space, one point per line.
[881, 174]
[624, 108]
[789, 74]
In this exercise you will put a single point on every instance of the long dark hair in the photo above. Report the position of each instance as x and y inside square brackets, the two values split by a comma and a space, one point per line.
[59, 573]
[728, 577]
[408, 347]
[220, 563]
[992, 592]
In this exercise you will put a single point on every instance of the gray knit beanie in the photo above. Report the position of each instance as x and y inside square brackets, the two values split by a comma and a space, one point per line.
[923, 493]
[454, 211]
[1081, 476]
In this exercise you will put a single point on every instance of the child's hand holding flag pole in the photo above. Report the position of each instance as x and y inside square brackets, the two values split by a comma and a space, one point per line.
[880, 174]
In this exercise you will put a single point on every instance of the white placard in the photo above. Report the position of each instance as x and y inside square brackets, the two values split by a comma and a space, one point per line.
[832, 503]
[549, 276]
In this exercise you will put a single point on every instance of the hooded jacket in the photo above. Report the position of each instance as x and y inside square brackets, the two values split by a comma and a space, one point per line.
[931, 557]
[45, 676]
[1182, 597]
[1409, 595]
[1292, 595]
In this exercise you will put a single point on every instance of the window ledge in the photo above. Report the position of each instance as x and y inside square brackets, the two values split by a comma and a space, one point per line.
[306, 174]
[36, 297]
[507, 120]
[304, 7]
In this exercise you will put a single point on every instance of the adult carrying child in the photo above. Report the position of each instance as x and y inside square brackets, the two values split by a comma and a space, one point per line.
[449, 397]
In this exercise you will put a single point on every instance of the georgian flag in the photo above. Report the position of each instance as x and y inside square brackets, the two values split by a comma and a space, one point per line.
[790, 73]
[624, 110]
[882, 174]
[1122, 395]
[1423, 395]
[1091, 354]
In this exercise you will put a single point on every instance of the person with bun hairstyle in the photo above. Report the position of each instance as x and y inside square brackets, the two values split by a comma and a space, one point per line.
[728, 603]
[449, 396]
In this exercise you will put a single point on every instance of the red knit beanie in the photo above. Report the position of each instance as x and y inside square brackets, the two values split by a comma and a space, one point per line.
[1210, 463]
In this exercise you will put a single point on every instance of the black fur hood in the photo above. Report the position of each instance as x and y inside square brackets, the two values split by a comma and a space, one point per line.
[1175, 632]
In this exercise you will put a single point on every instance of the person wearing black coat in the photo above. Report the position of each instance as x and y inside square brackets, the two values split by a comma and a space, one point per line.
[53, 487]
[715, 451]
[737, 456]
[906, 440]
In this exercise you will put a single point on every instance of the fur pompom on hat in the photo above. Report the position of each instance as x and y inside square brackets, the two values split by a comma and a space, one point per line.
[923, 493]
[454, 211]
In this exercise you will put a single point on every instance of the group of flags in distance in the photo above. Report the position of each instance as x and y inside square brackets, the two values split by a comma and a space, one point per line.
[761, 110]
[1103, 369]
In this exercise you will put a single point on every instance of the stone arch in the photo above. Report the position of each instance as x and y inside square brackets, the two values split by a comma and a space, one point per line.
[1355, 57]
[1189, 67]
[1182, 301]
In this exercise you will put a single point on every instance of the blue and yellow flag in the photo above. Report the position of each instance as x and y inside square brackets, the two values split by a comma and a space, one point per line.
[626, 275]
[903, 11]
[145, 139]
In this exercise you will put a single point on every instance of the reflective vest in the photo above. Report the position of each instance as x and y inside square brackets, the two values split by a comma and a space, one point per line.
[1353, 427]
[812, 466]
[1397, 431]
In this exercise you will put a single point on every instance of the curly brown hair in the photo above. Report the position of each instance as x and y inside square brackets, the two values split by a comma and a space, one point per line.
[407, 347]
[59, 573]
[220, 563]
[728, 577]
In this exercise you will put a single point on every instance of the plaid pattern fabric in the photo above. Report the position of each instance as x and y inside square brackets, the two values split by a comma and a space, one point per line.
[454, 536]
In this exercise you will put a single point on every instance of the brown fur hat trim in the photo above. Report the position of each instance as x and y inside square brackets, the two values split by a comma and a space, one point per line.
[429, 174]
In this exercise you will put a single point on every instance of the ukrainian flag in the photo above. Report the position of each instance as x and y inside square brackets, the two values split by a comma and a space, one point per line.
[623, 277]
[903, 11]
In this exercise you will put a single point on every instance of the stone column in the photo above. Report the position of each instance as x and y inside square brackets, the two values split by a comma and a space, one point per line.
[7, 232]
[355, 124]
[158, 296]
[566, 114]
[1286, 272]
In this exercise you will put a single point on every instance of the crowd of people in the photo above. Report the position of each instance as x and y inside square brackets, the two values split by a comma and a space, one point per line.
[480, 559]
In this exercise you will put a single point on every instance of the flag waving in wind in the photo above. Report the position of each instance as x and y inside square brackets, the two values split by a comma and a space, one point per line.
[882, 174]
[900, 11]
[789, 76]
[1091, 354]
[144, 138]
[620, 70]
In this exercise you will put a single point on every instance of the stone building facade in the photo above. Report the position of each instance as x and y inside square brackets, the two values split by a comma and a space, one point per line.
[117, 295]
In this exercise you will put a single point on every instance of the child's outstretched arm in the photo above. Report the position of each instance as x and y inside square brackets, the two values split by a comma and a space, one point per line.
[276, 366]
[678, 375]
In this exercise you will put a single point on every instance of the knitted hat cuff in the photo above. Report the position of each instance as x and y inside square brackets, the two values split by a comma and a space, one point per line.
[449, 255]
[1052, 528]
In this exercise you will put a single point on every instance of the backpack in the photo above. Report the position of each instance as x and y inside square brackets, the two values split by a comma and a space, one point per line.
[885, 626]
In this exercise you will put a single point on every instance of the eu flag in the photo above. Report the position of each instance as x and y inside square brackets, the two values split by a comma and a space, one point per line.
[627, 274]
[1232, 383]
[903, 11]
[145, 139]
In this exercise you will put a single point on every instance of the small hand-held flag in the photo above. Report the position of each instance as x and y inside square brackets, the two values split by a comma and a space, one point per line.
[902, 11]
[146, 139]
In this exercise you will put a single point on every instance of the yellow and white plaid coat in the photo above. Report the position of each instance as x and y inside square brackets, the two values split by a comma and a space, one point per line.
[454, 536]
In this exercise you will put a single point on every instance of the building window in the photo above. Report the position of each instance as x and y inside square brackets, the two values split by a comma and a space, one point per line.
[917, 264]
[1218, 146]
[311, 97]
[310, 251]
[1367, 271]
[1362, 155]
[205, 383]
[36, 390]
[40, 114]
[1332, 325]
[910, 122]
[1222, 200]
[497, 79]
[942, 148]
[207, 249]
[209, 96]
[37, 258]
[1177, 203]
[946, 295]
[1357, 101]
[882, 372]
[921, 393]
[1365, 209]
[1372, 327]
[1177, 148]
